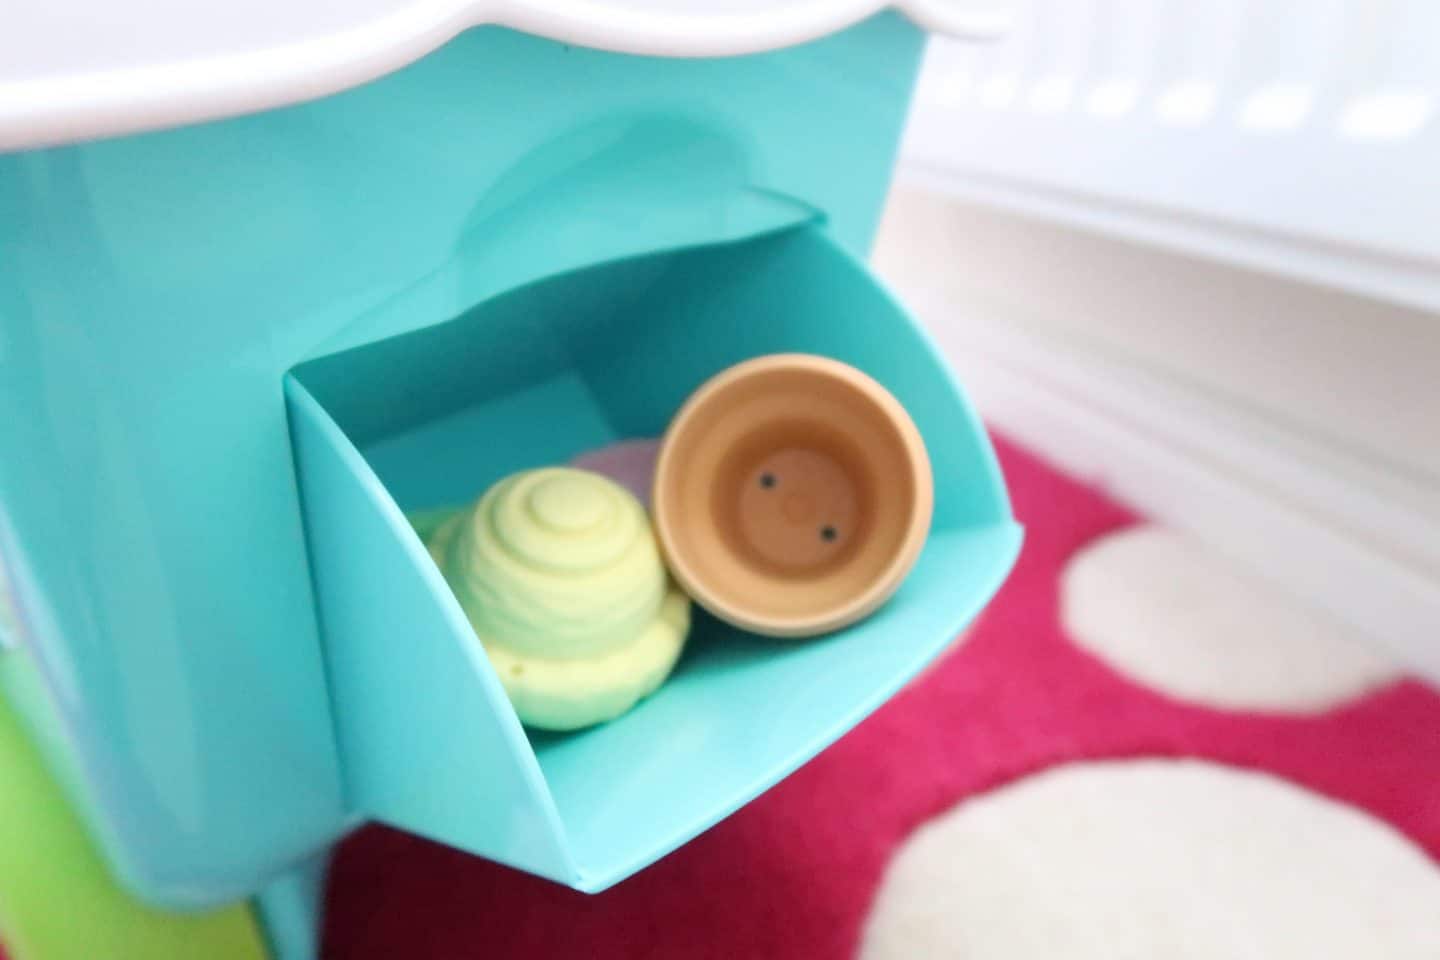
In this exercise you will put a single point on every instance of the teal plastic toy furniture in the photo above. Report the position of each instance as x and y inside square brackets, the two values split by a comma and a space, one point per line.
[232, 353]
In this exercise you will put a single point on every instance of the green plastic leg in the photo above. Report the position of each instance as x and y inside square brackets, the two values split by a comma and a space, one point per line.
[58, 900]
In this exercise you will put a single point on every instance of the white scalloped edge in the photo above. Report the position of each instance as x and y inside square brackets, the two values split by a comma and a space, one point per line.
[174, 85]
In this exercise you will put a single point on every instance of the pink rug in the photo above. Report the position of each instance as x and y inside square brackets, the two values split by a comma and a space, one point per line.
[1013, 719]
[795, 873]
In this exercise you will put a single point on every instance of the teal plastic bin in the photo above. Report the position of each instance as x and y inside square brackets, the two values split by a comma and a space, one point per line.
[532, 377]
[233, 354]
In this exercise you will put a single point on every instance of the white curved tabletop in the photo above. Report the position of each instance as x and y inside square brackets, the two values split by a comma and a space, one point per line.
[79, 69]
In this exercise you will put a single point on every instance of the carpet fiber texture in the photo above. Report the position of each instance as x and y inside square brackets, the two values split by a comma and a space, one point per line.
[798, 872]
[1135, 752]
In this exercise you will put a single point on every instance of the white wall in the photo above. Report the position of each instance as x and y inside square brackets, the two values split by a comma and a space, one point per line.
[1294, 427]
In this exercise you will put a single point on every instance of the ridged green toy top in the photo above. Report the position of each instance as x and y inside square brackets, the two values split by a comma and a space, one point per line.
[559, 573]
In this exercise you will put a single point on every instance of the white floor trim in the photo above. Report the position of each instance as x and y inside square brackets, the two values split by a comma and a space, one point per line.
[1132, 440]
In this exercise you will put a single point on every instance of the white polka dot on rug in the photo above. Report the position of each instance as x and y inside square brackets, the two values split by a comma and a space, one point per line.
[1172, 615]
[1155, 858]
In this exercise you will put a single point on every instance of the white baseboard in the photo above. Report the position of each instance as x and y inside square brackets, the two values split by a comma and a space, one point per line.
[1170, 478]
[1349, 532]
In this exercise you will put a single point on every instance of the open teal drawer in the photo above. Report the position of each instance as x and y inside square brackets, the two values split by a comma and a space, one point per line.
[532, 377]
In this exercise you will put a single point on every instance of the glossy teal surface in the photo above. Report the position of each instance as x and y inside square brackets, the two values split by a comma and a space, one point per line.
[533, 377]
[291, 910]
[155, 290]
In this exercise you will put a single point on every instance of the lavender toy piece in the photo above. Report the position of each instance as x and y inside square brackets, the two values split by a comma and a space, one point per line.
[630, 463]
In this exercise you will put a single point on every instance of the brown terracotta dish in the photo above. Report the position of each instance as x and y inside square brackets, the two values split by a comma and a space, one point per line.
[792, 495]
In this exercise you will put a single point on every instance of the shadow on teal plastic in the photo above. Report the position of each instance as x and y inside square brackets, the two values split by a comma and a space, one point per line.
[621, 185]
[533, 376]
